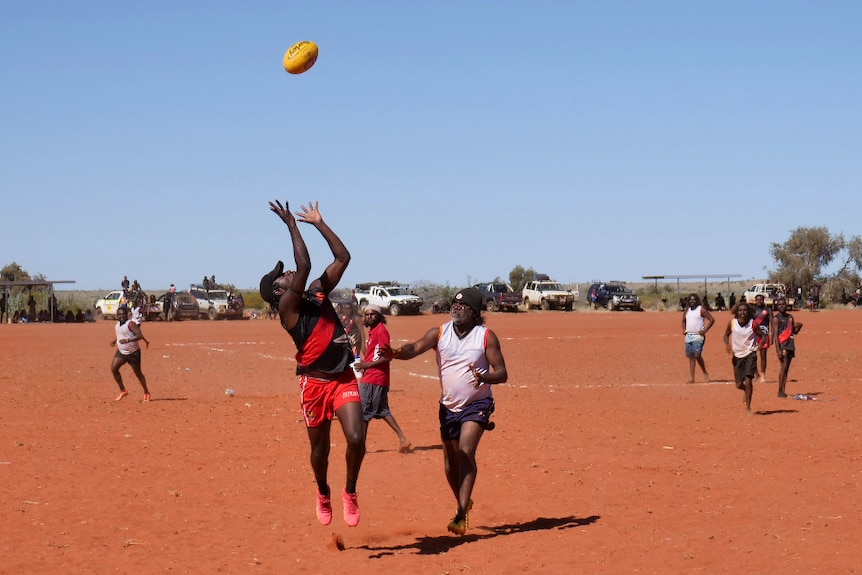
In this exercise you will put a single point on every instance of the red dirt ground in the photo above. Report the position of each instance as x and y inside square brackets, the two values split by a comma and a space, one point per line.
[603, 460]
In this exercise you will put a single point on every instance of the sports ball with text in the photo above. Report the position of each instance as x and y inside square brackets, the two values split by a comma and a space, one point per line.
[300, 57]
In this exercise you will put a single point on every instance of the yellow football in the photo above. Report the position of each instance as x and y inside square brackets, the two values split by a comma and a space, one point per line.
[300, 57]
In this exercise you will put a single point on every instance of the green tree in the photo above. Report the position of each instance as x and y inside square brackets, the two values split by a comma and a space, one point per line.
[519, 276]
[803, 256]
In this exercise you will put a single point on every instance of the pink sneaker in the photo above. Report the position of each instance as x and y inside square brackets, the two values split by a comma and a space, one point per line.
[123, 394]
[351, 508]
[324, 509]
[146, 397]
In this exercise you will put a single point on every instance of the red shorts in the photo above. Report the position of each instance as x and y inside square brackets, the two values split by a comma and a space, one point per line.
[321, 398]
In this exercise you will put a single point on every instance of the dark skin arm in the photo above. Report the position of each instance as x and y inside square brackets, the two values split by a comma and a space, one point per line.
[727, 333]
[294, 283]
[375, 363]
[708, 320]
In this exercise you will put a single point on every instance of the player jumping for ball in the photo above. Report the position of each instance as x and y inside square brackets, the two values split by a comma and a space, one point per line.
[327, 383]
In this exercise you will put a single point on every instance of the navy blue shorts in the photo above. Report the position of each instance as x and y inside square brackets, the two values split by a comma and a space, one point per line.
[479, 411]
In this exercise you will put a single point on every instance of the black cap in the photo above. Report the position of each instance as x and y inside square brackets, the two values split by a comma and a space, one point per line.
[267, 280]
[471, 297]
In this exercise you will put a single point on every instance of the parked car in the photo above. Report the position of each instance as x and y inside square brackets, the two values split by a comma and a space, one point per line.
[770, 293]
[546, 293]
[216, 304]
[498, 296]
[614, 296]
[185, 306]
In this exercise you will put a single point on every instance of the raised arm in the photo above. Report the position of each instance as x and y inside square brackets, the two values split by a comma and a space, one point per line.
[332, 275]
[288, 304]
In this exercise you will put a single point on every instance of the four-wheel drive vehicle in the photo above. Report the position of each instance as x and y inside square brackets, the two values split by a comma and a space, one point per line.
[546, 293]
[498, 296]
[613, 296]
[216, 304]
[770, 293]
[184, 306]
[106, 307]
[392, 297]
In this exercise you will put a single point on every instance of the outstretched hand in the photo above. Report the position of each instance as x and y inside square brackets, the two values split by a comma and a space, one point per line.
[310, 214]
[282, 211]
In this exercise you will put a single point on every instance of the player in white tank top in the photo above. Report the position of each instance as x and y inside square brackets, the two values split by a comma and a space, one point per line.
[469, 360]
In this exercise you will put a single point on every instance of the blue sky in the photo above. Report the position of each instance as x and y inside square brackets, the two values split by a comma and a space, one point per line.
[447, 142]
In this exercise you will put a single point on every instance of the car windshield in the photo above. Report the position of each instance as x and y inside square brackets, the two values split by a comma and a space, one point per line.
[555, 287]
[617, 289]
[397, 291]
[217, 294]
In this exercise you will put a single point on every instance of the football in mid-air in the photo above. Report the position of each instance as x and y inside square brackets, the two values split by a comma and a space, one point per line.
[300, 57]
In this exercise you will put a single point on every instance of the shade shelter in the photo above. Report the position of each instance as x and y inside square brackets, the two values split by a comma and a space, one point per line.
[6, 291]
[706, 278]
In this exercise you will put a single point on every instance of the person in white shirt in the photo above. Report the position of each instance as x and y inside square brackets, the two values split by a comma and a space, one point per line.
[696, 321]
[469, 361]
[128, 334]
[741, 339]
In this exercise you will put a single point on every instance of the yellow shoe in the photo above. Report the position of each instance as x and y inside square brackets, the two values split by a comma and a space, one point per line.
[458, 526]
[460, 523]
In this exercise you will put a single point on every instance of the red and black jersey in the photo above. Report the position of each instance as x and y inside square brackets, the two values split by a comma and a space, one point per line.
[321, 342]
[785, 331]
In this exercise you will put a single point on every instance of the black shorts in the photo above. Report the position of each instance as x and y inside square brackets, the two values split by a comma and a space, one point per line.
[479, 411]
[375, 401]
[133, 359]
[745, 367]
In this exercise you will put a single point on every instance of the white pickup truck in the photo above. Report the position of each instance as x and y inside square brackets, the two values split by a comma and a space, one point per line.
[106, 307]
[392, 297]
[770, 293]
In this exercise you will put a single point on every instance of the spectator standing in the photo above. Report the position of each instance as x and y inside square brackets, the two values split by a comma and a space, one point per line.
[374, 385]
[168, 303]
[696, 321]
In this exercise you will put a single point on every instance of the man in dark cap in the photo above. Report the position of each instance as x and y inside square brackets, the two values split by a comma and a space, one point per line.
[327, 382]
[469, 359]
